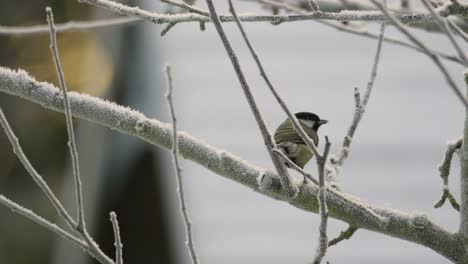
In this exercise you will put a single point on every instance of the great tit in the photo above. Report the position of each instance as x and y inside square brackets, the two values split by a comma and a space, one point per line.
[291, 144]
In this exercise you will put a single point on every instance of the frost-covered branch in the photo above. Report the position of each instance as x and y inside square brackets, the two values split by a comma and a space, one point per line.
[346, 234]
[413, 227]
[81, 225]
[68, 27]
[445, 28]
[267, 138]
[369, 16]
[117, 240]
[175, 157]
[434, 57]
[444, 169]
[42, 222]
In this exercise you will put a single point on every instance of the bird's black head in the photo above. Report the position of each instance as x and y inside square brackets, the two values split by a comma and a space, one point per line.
[310, 119]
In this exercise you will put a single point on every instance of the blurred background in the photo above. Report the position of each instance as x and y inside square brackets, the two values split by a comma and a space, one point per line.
[393, 162]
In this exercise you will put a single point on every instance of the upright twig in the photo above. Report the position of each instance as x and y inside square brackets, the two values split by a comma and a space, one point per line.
[117, 240]
[81, 224]
[361, 103]
[175, 157]
[445, 28]
[323, 210]
[71, 134]
[444, 169]
[267, 138]
[434, 57]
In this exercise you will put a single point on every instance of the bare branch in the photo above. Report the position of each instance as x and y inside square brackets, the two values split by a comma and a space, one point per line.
[434, 57]
[445, 28]
[175, 157]
[42, 222]
[356, 31]
[370, 16]
[361, 104]
[346, 234]
[36, 177]
[118, 242]
[71, 134]
[458, 30]
[187, 7]
[69, 26]
[278, 98]
[313, 5]
[167, 28]
[323, 209]
[294, 166]
[81, 224]
[267, 138]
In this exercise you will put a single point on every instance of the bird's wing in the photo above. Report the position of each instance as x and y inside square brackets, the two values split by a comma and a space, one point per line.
[286, 132]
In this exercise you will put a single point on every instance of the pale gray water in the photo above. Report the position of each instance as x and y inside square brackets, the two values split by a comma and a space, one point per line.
[412, 113]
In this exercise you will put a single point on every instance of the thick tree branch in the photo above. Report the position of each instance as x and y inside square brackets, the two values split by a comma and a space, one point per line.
[417, 228]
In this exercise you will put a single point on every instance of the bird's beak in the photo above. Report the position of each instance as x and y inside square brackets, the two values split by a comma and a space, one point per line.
[321, 122]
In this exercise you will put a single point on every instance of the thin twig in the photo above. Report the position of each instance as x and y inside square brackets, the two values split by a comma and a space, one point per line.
[359, 32]
[313, 5]
[323, 210]
[434, 57]
[294, 166]
[117, 240]
[267, 138]
[444, 169]
[71, 134]
[361, 104]
[187, 7]
[445, 28]
[167, 28]
[69, 26]
[346, 234]
[458, 30]
[42, 222]
[175, 157]
[81, 224]
[265, 77]
[36, 176]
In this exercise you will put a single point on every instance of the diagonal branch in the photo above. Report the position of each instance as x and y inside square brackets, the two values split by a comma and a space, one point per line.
[346, 234]
[267, 138]
[435, 58]
[417, 228]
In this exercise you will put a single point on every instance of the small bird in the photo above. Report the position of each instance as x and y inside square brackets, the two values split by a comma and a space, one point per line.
[291, 144]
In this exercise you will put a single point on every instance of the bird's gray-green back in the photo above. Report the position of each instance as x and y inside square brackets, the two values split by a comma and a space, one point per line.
[286, 132]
